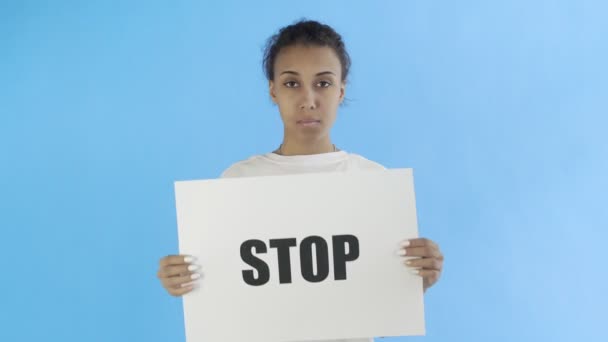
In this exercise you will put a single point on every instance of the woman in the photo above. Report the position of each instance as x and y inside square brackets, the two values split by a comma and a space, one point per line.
[306, 65]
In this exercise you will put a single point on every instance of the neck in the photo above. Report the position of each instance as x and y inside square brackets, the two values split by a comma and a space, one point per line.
[294, 148]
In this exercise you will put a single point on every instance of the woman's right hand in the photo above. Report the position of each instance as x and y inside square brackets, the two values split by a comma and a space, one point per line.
[178, 274]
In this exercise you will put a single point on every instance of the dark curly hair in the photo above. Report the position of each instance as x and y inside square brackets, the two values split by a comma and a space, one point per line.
[305, 32]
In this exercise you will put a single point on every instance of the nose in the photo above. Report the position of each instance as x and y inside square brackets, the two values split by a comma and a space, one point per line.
[308, 100]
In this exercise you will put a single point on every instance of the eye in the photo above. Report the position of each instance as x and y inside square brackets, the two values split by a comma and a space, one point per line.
[291, 84]
[324, 84]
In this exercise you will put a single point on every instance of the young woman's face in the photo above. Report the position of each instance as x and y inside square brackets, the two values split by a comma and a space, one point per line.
[308, 89]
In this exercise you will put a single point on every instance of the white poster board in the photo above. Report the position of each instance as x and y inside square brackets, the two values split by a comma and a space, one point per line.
[361, 216]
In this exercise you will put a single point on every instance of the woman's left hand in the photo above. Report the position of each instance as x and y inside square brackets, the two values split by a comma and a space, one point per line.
[428, 261]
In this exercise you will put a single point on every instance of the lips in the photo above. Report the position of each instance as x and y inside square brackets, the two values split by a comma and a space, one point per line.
[308, 121]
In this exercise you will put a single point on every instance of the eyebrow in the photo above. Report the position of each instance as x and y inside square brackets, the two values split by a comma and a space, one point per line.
[318, 74]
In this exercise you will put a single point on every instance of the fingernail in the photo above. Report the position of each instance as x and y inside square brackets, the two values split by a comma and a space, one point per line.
[195, 276]
[415, 272]
[402, 252]
[405, 243]
[188, 259]
[193, 267]
[408, 262]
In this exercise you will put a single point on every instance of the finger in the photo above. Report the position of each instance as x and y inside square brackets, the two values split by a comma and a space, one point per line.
[427, 274]
[430, 277]
[182, 291]
[172, 271]
[425, 252]
[176, 260]
[418, 242]
[178, 282]
[425, 263]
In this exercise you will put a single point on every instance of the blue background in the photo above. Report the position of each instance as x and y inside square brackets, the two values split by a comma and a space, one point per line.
[500, 108]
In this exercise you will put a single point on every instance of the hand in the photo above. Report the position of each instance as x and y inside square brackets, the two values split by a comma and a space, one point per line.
[428, 262]
[178, 274]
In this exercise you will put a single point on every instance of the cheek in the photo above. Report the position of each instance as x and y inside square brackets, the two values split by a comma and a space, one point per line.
[285, 109]
[284, 99]
[284, 103]
[332, 100]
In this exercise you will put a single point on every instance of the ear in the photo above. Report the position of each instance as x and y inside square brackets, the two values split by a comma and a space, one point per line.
[272, 91]
[342, 91]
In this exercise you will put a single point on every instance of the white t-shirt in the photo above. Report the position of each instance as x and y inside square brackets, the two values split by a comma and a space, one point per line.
[272, 164]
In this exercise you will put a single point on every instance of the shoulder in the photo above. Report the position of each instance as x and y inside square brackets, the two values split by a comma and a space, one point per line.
[240, 168]
[363, 163]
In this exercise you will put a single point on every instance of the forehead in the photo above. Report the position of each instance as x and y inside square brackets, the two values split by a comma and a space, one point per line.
[307, 58]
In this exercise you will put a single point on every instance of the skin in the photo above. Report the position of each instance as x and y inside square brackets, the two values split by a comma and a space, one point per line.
[308, 85]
